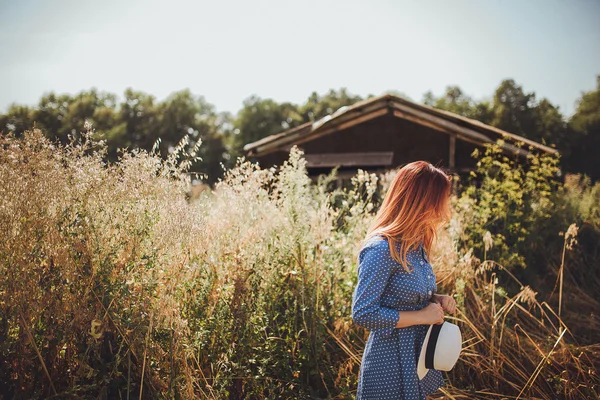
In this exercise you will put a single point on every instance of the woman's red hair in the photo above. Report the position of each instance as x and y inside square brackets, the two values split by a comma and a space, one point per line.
[415, 205]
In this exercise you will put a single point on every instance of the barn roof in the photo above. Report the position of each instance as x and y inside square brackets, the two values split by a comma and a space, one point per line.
[466, 129]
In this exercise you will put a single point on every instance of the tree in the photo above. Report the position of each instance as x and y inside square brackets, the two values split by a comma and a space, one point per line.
[136, 122]
[140, 116]
[455, 101]
[51, 114]
[317, 106]
[259, 118]
[181, 114]
[263, 117]
[550, 126]
[584, 133]
[17, 119]
[512, 109]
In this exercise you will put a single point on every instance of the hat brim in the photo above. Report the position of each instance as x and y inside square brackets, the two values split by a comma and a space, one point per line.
[421, 370]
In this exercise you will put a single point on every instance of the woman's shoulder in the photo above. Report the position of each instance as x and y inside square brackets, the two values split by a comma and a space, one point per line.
[377, 244]
[377, 241]
[383, 242]
[380, 245]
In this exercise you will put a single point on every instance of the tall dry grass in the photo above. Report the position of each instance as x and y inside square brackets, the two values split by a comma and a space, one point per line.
[515, 343]
[117, 286]
[90, 264]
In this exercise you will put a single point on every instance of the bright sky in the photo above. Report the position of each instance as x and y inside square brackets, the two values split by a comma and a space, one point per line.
[227, 50]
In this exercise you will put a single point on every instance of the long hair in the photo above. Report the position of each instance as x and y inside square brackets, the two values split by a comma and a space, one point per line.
[414, 207]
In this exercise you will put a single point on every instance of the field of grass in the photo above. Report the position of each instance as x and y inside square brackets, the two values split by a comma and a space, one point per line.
[119, 285]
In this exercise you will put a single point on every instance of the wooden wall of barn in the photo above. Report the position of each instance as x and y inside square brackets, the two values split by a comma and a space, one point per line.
[409, 142]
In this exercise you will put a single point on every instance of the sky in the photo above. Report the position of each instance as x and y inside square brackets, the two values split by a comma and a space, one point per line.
[228, 50]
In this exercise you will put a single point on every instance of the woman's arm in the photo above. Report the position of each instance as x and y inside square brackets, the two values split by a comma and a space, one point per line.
[374, 270]
[409, 318]
[431, 314]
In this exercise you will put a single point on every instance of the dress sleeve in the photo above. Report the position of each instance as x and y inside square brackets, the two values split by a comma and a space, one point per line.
[374, 270]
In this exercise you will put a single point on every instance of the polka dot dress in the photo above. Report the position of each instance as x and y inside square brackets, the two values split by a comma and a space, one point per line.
[388, 368]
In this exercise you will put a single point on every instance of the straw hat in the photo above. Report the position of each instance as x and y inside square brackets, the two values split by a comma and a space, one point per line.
[441, 348]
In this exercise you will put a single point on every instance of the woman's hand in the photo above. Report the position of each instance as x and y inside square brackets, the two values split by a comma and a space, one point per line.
[447, 302]
[432, 314]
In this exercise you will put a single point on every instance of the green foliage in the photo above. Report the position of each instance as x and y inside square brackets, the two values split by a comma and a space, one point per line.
[317, 106]
[259, 118]
[584, 129]
[505, 197]
[135, 123]
[515, 111]
[455, 101]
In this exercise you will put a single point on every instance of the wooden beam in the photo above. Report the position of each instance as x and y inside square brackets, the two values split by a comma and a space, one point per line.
[250, 147]
[343, 175]
[356, 159]
[452, 153]
[416, 120]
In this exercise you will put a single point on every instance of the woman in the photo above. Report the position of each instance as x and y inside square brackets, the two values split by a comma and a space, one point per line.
[395, 297]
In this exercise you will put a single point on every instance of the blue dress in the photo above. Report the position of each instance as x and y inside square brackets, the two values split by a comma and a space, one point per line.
[388, 368]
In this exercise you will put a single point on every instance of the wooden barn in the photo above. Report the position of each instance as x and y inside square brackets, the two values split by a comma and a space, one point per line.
[383, 133]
